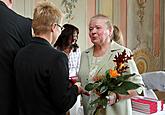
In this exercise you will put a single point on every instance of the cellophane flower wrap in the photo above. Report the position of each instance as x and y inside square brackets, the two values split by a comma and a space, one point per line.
[114, 80]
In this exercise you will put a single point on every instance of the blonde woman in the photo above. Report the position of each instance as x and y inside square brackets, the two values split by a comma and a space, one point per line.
[98, 59]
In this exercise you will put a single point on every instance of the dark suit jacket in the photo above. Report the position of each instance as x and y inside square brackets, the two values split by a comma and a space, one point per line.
[15, 32]
[42, 78]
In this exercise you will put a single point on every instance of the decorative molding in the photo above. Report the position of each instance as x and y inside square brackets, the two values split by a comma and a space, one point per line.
[140, 12]
[145, 61]
[68, 6]
[144, 51]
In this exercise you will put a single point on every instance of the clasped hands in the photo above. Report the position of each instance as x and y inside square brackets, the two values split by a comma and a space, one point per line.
[73, 81]
[81, 90]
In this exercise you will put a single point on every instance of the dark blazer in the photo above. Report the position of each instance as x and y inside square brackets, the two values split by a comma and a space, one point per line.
[15, 32]
[42, 78]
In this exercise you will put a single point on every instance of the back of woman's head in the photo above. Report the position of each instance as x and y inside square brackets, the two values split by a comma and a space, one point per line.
[45, 14]
[66, 34]
[117, 35]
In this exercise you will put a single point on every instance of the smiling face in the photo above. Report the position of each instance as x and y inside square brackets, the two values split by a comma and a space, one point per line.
[75, 37]
[72, 41]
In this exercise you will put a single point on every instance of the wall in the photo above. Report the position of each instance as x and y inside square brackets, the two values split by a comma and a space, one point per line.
[163, 32]
[81, 15]
[146, 38]
[24, 7]
[143, 30]
[79, 19]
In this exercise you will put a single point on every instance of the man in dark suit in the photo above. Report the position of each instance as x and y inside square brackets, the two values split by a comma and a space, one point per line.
[15, 32]
[42, 74]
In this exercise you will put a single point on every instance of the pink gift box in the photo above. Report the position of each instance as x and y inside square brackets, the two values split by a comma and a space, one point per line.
[146, 105]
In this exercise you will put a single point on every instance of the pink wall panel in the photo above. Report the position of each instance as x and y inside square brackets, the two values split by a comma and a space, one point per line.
[156, 29]
[123, 19]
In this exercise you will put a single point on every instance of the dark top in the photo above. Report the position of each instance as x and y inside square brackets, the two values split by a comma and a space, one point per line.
[42, 80]
[15, 32]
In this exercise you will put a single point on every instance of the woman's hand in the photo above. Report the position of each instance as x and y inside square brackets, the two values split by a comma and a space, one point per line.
[131, 93]
[113, 98]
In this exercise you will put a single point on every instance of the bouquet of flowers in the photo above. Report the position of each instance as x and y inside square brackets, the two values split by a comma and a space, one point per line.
[115, 80]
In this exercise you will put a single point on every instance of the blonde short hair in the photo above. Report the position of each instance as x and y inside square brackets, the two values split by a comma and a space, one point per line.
[45, 14]
[104, 17]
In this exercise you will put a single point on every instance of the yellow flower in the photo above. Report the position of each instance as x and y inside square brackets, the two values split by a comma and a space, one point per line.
[113, 73]
[121, 65]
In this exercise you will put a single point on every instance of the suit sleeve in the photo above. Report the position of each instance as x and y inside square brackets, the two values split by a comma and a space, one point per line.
[63, 97]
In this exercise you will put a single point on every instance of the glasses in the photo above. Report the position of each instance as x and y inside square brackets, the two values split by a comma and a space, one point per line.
[60, 27]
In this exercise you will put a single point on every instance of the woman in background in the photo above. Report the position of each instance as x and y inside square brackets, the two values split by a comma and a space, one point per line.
[67, 42]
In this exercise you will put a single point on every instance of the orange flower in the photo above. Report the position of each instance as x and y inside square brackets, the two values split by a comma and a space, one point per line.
[113, 73]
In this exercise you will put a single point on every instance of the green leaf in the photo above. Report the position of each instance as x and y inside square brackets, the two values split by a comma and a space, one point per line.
[107, 75]
[120, 90]
[125, 86]
[107, 72]
[115, 82]
[91, 86]
[128, 85]
[111, 86]
[125, 77]
[103, 89]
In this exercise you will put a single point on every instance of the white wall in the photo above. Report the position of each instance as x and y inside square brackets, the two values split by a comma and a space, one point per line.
[79, 20]
[80, 14]
[24, 7]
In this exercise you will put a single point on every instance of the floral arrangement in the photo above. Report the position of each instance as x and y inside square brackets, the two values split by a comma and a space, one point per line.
[115, 80]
